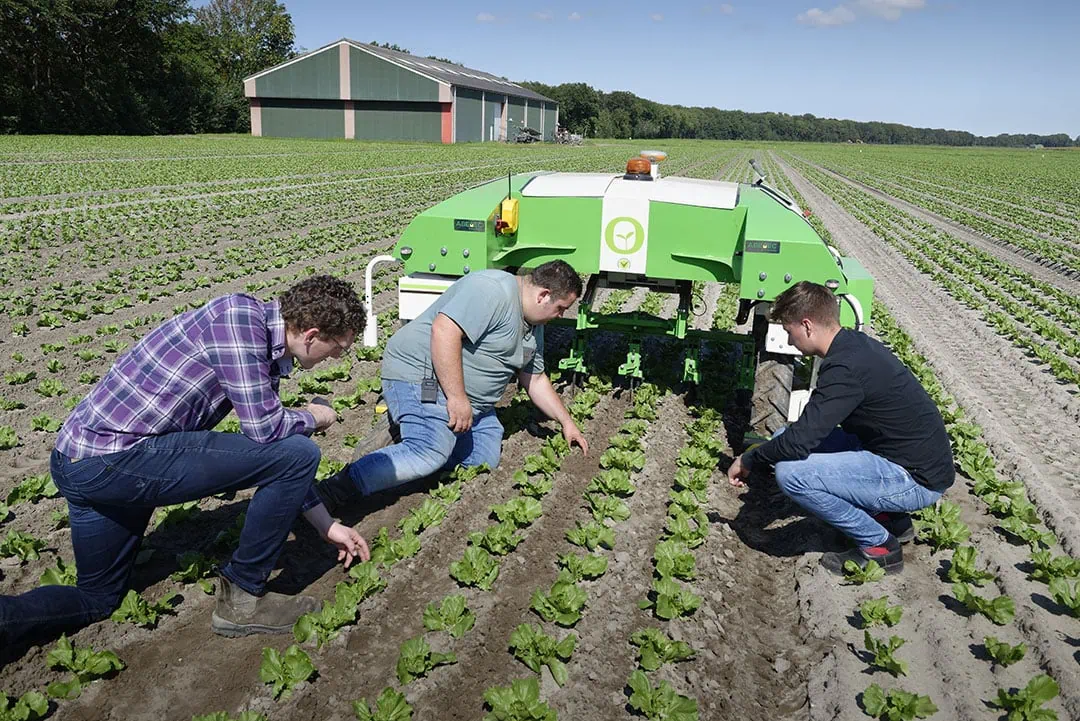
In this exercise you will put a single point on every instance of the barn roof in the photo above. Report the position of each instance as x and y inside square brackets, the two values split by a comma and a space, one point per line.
[437, 70]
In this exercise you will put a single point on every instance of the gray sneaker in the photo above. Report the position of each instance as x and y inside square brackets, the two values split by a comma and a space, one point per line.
[384, 433]
[239, 613]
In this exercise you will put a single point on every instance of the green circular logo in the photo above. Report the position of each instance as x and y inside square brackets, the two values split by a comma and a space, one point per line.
[624, 235]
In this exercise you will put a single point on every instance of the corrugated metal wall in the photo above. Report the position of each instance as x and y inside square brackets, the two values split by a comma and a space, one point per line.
[467, 110]
[532, 114]
[492, 110]
[515, 116]
[316, 77]
[398, 121]
[549, 121]
[284, 118]
[372, 78]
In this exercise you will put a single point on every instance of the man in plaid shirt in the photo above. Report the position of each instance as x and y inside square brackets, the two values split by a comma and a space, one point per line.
[141, 439]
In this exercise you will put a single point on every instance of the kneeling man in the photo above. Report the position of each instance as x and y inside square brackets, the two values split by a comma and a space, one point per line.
[870, 446]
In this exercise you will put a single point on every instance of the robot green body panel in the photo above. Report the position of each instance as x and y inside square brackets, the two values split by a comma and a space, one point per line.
[633, 229]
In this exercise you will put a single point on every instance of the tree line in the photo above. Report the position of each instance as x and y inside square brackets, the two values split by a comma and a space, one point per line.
[165, 67]
[135, 66]
[620, 114]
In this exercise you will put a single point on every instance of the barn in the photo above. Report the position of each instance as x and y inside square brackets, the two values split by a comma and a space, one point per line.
[359, 91]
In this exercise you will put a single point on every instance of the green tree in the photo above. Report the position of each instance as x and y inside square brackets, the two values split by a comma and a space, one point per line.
[245, 37]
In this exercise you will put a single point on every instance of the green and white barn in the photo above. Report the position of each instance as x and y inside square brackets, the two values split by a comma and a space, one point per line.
[359, 91]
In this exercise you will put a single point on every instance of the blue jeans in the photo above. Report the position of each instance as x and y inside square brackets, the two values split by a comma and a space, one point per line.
[111, 499]
[427, 443]
[842, 485]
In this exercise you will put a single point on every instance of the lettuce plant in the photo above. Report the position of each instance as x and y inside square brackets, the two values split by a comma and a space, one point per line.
[31, 706]
[562, 604]
[1026, 703]
[285, 671]
[662, 702]
[451, 616]
[477, 568]
[390, 706]
[962, 569]
[874, 611]
[591, 535]
[518, 702]
[858, 575]
[999, 610]
[674, 559]
[137, 610]
[520, 511]
[534, 648]
[883, 651]
[59, 575]
[671, 599]
[417, 658]
[896, 705]
[500, 538]
[655, 648]
[576, 567]
[85, 664]
[1002, 653]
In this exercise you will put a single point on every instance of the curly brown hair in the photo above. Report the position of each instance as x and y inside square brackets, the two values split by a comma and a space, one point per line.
[324, 302]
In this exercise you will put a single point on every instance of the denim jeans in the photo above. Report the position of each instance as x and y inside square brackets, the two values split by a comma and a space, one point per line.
[111, 499]
[427, 443]
[842, 485]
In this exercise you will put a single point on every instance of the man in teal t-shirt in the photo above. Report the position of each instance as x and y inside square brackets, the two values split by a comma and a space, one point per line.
[484, 330]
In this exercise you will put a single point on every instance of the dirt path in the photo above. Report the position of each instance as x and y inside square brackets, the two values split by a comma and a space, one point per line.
[1033, 440]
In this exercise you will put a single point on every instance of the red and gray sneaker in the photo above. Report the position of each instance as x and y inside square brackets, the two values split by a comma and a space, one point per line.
[898, 524]
[888, 556]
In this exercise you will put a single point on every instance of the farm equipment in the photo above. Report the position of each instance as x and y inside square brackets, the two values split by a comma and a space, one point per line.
[564, 137]
[525, 134]
[634, 229]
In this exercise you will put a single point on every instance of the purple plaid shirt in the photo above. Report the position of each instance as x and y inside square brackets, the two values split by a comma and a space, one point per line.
[186, 375]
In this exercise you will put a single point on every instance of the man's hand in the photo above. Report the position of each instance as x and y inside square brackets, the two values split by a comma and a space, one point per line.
[738, 473]
[325, 416]
[350, 544]
[460, 411]
[573, 436]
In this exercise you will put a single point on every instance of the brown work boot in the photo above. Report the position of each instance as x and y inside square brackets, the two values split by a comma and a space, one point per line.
[384, 433]
[239, 613]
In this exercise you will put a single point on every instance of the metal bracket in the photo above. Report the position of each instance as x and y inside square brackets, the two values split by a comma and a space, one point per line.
[371, 327]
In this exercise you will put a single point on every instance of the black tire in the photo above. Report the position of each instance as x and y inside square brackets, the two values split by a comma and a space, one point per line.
[773, 379]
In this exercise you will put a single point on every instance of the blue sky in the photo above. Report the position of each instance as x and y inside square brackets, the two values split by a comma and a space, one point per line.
[987, 66]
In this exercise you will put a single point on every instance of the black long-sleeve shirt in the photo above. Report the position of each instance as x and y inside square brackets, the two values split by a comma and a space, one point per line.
[867, 391]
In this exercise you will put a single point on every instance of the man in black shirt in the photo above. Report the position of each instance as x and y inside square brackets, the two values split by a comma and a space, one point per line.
[870, 446]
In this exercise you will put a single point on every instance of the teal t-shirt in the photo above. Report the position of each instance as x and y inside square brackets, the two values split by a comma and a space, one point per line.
[498, 342]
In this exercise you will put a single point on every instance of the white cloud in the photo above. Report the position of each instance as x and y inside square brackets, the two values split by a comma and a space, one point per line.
[574, 17]
[657, 17]
[726, 9]
[543, 16]
[839, 15]
[849, 12]
[891, 9]
[485, 18]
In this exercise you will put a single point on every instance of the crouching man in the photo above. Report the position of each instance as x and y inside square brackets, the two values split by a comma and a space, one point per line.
[443, 372]
[141, 439]
[870, 446]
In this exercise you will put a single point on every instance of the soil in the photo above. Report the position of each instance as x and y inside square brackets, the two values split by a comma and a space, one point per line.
[776, 637]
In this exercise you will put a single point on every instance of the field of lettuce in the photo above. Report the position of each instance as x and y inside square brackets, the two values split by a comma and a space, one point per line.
[634, 583]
